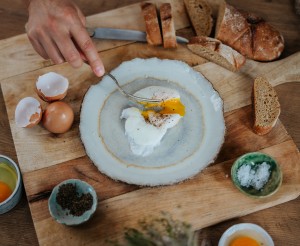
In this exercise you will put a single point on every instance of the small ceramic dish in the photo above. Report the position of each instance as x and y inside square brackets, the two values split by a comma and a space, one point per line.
[10, 175]
[255, 160]
[64, 216]
[244, 232]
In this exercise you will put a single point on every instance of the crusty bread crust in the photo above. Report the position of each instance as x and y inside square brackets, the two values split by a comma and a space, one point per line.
[248, 34]
[153, 32]
[200, 14]
[269, 43]
[213, 50]
[231, 24]
[266, 106]
[167, 24]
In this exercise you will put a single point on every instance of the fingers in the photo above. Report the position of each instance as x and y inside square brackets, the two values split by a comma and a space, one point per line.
[51, 49]
[44, 45]
[61, 35]
[36, 44]
[39, 48]
[81, 17]
[68, 50]
[88, 48]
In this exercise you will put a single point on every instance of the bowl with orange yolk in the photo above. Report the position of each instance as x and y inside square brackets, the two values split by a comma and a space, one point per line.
[245, 234]
[10, 184]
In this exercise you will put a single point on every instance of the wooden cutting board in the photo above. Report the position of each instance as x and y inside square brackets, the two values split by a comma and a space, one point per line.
[46, 159]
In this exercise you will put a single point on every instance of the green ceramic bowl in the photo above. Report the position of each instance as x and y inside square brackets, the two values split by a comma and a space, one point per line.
[63, 216]
[255, 160]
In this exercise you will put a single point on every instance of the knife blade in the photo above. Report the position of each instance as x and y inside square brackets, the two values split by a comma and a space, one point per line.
[123, 34]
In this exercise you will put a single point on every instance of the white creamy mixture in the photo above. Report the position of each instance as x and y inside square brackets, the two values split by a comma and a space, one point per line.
[144, 135]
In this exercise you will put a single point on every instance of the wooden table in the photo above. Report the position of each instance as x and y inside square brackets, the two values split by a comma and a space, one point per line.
[282, 221]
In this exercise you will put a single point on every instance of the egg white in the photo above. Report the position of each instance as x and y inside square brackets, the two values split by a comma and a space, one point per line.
[144, 136]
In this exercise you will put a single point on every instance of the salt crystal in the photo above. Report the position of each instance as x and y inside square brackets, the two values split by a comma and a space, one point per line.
[255, 178]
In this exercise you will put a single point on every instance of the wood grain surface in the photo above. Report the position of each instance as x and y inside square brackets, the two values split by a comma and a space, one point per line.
[183, 200]
[284, 223]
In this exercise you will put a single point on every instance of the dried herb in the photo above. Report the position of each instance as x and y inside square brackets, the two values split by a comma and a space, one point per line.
[163, 231]
[68, 198]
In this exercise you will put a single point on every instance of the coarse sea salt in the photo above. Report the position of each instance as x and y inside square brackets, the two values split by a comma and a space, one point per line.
[255, 178]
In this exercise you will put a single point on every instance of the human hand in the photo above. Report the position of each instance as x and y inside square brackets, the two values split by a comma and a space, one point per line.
[56, 29]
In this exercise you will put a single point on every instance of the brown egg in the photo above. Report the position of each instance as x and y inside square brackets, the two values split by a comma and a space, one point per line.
[58, 117]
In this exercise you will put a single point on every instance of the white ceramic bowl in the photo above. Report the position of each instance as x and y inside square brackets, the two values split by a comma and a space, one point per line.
[15, 197]
[246, 229]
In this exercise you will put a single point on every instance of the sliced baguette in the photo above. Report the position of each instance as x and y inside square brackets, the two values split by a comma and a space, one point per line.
[167, 25]
[153, 32]
[266, 106]
[213, 50]
[200, 14]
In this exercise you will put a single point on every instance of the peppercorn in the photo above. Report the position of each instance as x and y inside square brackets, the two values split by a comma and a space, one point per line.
[68, 198]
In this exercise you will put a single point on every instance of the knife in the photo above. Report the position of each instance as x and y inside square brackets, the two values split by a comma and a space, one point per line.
[123, 34]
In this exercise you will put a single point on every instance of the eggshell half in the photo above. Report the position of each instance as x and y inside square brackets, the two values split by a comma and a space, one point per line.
[52, 87]
[28, 112]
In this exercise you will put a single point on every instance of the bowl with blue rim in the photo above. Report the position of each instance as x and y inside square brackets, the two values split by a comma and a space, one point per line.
[10, 184]
[256, 174]
[72, 202]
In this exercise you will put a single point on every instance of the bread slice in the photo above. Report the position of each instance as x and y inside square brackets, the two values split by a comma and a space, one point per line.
[266, 106]
[213, 50]
[167, 25]
[200, 14]
[153, 32]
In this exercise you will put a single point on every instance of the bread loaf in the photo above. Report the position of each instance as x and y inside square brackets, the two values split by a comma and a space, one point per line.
[231, 24]
[213, 50]
[167, 25]
[266, 106]
[200, 13]
[248, 34]
[153, 32]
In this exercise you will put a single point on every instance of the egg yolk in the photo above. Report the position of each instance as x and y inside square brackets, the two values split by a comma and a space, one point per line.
[244, 241]
[5, 191]
[170, 106]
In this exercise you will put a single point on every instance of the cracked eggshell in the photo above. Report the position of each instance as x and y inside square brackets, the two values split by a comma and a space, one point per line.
[52, 87]
[28, 112]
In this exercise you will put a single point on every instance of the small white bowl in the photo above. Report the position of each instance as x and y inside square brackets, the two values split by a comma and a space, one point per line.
[246, 229]
[15, 197]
